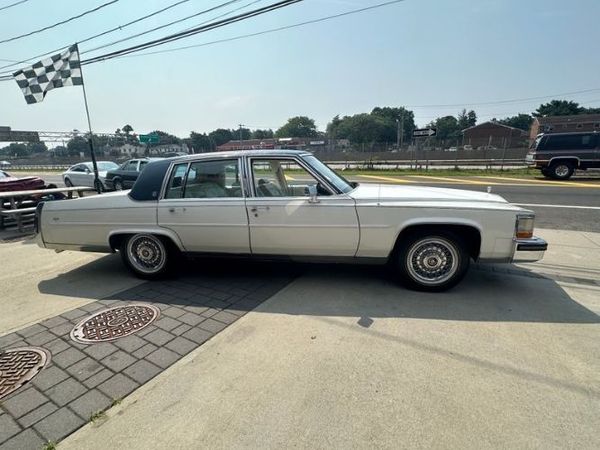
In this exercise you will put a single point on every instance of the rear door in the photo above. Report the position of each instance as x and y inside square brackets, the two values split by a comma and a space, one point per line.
[204, 204]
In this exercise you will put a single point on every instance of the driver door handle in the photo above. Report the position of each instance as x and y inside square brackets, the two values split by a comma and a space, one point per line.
[259, 208]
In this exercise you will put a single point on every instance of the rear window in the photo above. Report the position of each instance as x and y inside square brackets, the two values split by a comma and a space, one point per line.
[570, 142]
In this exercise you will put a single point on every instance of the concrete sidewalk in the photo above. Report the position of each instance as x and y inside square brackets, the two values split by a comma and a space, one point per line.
[347, 359]
[38, 284]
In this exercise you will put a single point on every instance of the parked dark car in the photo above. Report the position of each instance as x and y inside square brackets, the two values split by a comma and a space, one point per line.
[125, 176]
[9, 183]
[558, 155]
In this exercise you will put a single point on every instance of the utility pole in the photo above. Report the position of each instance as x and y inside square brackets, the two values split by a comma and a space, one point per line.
[398, 134]
[241, 125]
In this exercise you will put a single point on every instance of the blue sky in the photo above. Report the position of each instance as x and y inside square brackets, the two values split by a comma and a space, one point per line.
[417, 52]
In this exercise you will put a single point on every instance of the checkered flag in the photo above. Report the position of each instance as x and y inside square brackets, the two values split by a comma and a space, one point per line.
[56, 71]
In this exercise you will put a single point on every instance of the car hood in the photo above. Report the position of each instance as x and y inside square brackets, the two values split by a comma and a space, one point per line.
[386, 192]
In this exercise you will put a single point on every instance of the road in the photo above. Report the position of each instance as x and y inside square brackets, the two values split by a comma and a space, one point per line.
[561, 205]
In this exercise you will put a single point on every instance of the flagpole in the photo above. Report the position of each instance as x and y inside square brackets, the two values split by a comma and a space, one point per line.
[97, 183]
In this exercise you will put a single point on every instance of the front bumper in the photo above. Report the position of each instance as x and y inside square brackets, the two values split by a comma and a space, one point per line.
[529, 250]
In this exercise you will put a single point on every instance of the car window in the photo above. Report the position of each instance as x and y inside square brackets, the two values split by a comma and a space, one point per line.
[213, 179]
[142, 165]
[175, 186]
[570, 142]
[131, 166]
[78, 168]
[283, 178]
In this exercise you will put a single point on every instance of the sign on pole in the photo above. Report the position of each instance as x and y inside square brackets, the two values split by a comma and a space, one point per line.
[149, 138]
[8, 135]
[425, 132]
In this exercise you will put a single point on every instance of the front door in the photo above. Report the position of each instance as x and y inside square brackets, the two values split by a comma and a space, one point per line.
[284, 221]
[204, 204]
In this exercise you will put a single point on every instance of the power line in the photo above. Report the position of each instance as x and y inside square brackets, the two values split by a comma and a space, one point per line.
[499, 102]
[59, 23]
[13, 4]
[34, 58]
[81, 41]
[272, 30]
[191, 32]
[161, 26]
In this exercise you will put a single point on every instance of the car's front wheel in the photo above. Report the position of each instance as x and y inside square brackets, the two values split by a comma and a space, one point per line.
[433, 261]
[118, 184]
[68, 183]
[146, 255]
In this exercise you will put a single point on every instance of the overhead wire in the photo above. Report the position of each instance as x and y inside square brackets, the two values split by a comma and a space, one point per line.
[193, 31]
[85, 13]
[2, 8]
[127, 38]
[81, 41]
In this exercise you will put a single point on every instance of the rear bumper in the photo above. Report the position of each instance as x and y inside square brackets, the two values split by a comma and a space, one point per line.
[529, 250]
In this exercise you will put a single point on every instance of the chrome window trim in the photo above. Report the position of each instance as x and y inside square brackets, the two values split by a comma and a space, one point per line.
[333, 191]
[167, 177]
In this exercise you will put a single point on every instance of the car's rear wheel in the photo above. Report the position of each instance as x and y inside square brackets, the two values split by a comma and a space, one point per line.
[118, 184]
[433, 261]
[68, 183]
[146, 255]
[562, 170]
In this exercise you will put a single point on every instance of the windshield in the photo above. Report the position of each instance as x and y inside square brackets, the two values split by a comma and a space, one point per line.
[4, 175]
[326, 172]
[107, 165]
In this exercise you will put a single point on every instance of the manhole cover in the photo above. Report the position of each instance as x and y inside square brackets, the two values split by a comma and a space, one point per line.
[113, 323]
[19, 365]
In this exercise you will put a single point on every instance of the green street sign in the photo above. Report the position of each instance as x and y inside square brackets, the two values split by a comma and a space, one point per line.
[149, 138]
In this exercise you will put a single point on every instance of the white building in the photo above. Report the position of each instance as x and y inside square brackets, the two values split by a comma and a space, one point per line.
[164, 149]
[130, 150]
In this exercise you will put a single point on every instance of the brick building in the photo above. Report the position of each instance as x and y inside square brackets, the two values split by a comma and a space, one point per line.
[494, 134]
[564, 124]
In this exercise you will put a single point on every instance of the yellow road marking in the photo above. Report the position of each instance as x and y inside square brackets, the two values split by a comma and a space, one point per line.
[452, 180]
[545, 182]
[376, 177]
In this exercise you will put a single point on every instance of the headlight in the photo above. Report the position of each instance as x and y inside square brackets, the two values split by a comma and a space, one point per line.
[524, 226]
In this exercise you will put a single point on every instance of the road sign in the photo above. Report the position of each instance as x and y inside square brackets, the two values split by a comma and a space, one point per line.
[8, 135]
[149, 138]
[425, 132]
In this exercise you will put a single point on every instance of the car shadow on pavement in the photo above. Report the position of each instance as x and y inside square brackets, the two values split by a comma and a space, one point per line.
[351, 290]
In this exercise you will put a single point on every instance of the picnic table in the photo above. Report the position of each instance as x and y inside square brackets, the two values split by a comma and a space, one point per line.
[18, 205]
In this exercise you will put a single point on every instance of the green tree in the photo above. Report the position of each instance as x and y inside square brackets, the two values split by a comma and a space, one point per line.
[299, 126]
[262, 134]
[447, 127]
[127, 129]
[466, 119]
[200, 142]
[394, 117]
[221, 136]
[78, 144]
[364, 128]
[558, 108]
[521, 121]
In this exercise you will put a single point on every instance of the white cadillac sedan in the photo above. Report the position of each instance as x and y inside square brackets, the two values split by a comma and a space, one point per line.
[287, 203]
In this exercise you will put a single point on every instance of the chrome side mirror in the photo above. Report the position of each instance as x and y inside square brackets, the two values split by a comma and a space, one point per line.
[312, 194]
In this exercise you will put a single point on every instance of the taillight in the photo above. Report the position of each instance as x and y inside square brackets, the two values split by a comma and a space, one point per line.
[524, 226]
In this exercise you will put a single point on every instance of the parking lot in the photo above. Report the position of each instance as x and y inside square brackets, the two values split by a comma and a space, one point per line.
[272, 355]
